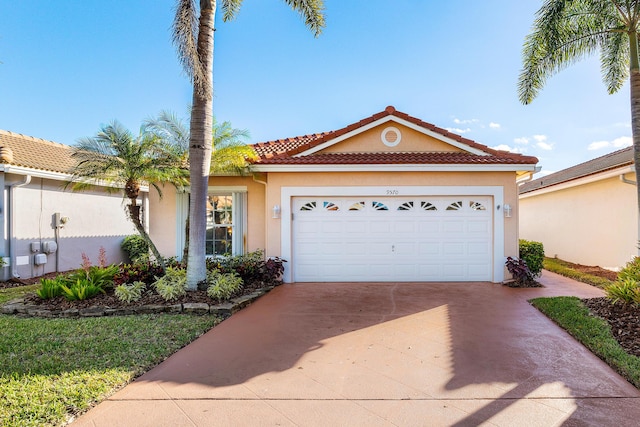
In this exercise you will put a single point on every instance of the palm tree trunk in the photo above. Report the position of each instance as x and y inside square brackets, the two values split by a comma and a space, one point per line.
[634, 78]
[200, 150]
[134, 214]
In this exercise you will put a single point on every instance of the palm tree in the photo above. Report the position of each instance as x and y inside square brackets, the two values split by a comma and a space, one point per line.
[230, 153]
[114, 156]
[193, 34]
[566, 31]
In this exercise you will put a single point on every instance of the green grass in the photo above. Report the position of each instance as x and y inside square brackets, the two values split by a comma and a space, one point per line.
[561, 267]
[12, 293]
[593, 332]
[53, 369]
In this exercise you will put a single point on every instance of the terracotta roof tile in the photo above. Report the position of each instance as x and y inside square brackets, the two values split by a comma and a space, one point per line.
[394, 158]
[280, 151]
[601, 164]
[37, 153]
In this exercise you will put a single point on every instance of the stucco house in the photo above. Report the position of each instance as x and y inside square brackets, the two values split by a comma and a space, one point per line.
[389, 198]
[585, 214]
[44, 228]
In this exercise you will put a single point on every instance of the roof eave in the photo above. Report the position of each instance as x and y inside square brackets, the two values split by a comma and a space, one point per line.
[581, 180]
[394, 168]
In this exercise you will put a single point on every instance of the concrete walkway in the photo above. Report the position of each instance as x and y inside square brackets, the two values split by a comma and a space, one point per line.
[382, 354]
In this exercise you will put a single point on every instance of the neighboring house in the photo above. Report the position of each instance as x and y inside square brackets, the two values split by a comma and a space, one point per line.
[389, 198]
[585, 214]
[44, 228]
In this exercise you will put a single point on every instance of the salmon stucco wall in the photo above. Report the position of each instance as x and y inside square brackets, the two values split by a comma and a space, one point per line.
[352, 179]
[411, 141]
[167, 216]
[591, 224]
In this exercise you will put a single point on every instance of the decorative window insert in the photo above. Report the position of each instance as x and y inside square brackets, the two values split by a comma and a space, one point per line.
[225, 223]
[379, 206]
[455, 206]
[406, 206]
[330, 206]
[428, 206]
[309, 206]
[358, 206]
[477, 206]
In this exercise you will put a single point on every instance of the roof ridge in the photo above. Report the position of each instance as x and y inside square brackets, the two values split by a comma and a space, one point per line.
[33, 138]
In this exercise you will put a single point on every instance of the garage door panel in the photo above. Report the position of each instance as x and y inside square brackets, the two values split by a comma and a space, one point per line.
[392, 238]
[478, 248]
[453, 249]
[429, 248]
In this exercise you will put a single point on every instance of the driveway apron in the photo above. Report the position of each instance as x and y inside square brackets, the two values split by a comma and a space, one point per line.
[382, 354]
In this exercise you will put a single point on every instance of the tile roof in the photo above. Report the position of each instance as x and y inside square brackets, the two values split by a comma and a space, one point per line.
[393, 158]
[601, 164]
[36, 153]
[282, 150]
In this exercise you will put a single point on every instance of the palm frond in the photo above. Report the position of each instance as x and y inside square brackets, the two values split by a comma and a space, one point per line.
[185, 30]
[564, 32]
[312, 11]
[230, 9]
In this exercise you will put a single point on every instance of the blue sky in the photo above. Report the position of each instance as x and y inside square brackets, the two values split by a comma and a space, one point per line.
[69, 66]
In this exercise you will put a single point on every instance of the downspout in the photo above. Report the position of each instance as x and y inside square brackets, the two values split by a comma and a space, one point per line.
[627, 181]
[11, 222]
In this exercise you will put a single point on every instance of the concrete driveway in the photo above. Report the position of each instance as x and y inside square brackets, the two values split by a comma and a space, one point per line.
[382, 354]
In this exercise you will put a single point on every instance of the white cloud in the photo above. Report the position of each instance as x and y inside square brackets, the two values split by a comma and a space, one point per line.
[493, 125]
[464, 121]
[544, 145]
[623, 141]
[458, 130]
[540, 138]
[522, 140]
[596, 145]
[505, 147]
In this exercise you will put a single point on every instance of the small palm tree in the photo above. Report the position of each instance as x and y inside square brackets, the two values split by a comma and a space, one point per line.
[566, 31]
[114, 156]
[230, 155]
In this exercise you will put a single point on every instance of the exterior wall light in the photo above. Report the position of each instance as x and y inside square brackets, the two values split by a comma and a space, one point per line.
[507, 211]
[276, 212]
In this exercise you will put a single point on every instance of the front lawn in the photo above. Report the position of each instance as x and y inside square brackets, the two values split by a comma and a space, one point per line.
[595, 276]
[7, 294]
[53, 369]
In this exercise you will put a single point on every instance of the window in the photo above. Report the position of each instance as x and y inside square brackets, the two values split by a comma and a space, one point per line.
[224, 234]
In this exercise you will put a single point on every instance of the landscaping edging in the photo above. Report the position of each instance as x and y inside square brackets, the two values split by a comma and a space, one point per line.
[226, 309]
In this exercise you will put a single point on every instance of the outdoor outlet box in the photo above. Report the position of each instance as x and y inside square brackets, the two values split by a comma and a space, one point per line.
[49, 247]
[35, 247]
[40, 259]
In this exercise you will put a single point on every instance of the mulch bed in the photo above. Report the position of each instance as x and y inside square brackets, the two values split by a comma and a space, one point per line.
[624, 320]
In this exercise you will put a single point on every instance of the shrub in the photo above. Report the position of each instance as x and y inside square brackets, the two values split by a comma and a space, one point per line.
[136, 248]
[631, 271]
[251, 267]
[130, 292]
[520, 271]
[625, 291]
[80, 290]
[98, 276]
[533, 255]
[49, 288]
[173, 284]
[140, 272]
[223, 286]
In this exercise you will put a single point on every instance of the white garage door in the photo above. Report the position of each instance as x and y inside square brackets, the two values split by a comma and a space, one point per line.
[382, 239]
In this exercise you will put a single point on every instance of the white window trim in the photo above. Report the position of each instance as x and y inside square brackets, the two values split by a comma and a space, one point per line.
[239, 194]
[497, 192]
